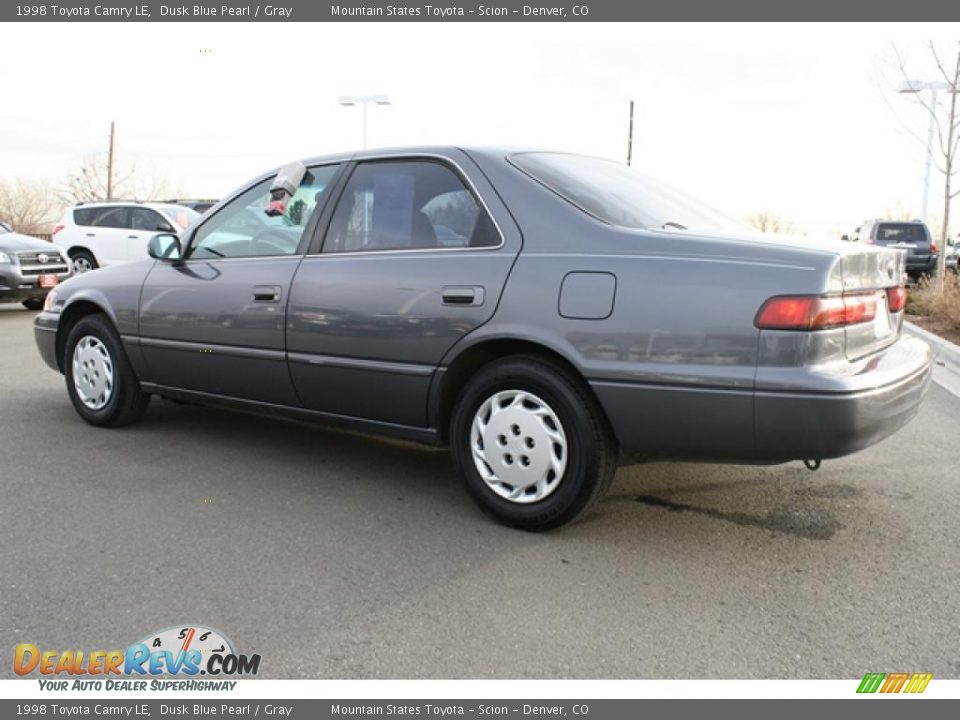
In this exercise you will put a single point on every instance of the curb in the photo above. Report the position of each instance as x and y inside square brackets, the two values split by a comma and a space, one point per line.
[945, 352]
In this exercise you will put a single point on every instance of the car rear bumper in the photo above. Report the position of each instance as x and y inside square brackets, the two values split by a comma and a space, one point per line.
[45, 335]
[798, 414]
[815, 426]
[921, 264]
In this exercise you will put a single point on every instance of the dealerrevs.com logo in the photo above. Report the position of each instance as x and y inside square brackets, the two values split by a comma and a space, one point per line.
[186, 652]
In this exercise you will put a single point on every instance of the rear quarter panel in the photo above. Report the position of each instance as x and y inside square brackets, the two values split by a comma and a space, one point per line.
[674, 364]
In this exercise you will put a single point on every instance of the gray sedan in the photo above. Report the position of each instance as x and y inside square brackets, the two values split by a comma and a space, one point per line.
[546, 315]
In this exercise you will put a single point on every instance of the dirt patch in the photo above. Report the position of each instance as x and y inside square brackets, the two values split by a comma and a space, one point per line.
[937, 312]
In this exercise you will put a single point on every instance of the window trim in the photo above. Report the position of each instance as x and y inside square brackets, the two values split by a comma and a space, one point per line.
[447, 162]
[309, 230]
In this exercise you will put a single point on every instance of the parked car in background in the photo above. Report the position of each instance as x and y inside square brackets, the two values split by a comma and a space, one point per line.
[200, 206]
[106, 233]
[29, 268]
[911, 236]
[546, 315]
[953, 254]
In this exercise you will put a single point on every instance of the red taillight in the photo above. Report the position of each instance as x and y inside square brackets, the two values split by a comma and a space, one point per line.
[933, 248]
[896, 298]
[56, 229]
[813, 312]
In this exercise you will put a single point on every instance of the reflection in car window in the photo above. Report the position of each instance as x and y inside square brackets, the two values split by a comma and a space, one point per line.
[181, 215]
[241, 228]
[896, 233]
[618, 195]
[403, 205]
[150, 220]
[112, 217]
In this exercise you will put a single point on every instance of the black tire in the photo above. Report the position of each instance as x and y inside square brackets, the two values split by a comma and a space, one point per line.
[127, 402]
[33, 303]
[591, 455]
[81, 257]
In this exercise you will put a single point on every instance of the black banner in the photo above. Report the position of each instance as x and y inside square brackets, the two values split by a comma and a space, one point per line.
[497, 11]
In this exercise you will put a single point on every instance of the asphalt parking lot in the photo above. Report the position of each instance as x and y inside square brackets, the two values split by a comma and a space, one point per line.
[340, 556]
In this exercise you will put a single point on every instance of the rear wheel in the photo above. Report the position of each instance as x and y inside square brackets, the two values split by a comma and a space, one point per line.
[531, 443]
[33, 303]
[100, 381]
[82, 261]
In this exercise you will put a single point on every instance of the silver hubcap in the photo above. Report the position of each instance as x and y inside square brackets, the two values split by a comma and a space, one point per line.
[81, 265]
[518, 445]
[92, 372]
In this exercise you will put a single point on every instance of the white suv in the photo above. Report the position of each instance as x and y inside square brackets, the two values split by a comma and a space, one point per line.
[106, 233]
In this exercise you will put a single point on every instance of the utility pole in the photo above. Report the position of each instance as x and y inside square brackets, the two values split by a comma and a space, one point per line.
[630, 137]
[110, 164]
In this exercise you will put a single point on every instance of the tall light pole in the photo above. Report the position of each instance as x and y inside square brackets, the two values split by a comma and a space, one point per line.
[916, 87]
[363, 101]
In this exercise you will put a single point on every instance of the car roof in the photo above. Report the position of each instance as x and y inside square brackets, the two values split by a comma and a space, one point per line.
[490, 151]
[888, 221]
[153, 204]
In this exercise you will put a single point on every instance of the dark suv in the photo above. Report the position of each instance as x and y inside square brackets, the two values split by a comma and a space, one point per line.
[910, 235]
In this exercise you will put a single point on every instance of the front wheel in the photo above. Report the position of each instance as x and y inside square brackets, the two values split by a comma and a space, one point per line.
[531, 443]
[100, 381]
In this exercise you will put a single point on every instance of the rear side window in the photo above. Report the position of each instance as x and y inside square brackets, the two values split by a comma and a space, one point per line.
[408, 205]
[618, 195]
[84, 216]
[892, 233]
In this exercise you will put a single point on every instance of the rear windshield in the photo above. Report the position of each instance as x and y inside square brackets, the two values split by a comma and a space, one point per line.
[618, 195]
[891, 233]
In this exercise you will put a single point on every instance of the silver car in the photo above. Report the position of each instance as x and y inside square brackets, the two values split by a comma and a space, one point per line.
[546, 315]
[29, 267]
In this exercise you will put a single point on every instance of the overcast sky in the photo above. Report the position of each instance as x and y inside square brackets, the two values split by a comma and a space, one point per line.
[797, 119]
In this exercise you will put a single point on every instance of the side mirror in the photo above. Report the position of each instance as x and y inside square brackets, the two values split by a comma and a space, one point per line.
[166, 228]
[164, 246]
[845, 238]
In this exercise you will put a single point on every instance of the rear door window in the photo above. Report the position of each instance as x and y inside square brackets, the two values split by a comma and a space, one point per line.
[112, 217]
[84, 216]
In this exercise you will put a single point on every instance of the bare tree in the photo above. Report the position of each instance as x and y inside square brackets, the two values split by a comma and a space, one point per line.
[29, 206]
[945, 120]
[88, 183]
[898, 211]
[770, 222]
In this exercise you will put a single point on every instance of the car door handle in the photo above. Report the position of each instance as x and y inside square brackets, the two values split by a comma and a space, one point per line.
[462, 295]
[266, 293]
[133, 237]
[91, 235]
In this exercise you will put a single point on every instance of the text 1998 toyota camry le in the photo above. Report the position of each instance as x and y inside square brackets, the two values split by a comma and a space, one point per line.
[544, 314]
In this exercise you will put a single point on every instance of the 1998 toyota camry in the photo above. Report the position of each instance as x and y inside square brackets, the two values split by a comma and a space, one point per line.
[547, 315]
